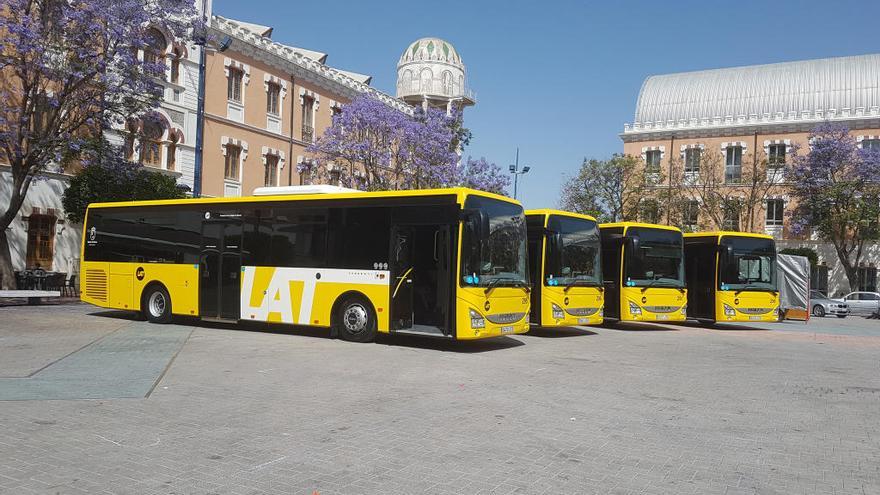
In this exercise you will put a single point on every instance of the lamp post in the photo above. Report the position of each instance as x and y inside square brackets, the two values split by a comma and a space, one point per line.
[202, 43]
[514, 169]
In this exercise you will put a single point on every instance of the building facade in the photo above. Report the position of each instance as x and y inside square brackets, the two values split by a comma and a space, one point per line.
[41, 235]
[265, 102]
[746, 120]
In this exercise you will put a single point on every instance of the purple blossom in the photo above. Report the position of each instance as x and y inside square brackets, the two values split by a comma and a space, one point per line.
[371, 145]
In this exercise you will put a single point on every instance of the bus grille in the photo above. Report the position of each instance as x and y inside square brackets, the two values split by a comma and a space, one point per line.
[502, 318]
[754, 311]
[662, 309]
[96, 285]
[581, 311]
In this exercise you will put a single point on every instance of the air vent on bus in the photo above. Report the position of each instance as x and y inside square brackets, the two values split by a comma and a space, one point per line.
[288, 190]
[96, 285]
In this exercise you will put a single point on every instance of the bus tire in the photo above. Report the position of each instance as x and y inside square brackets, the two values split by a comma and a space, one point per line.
[354, 319]
[156, 304]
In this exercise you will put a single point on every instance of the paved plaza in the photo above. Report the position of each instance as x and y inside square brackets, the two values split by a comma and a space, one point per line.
[93, 401]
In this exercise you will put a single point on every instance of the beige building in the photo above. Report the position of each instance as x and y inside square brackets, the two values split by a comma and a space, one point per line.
[264, 103]
[742, 124]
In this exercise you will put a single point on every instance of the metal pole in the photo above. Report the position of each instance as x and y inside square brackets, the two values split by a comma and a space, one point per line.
[200, 110]
[515, 172]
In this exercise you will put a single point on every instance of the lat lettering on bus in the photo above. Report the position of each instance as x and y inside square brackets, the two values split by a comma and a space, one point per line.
[270, 304]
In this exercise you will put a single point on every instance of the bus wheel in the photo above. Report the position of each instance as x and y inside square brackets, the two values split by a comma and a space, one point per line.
[355, 320]
[156, 304]
[818, 311]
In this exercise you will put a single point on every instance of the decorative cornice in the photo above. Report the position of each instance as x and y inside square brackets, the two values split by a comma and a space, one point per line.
[285, 58]
[869, 119]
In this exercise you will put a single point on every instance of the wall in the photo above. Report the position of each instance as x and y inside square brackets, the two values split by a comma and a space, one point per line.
[44, 193]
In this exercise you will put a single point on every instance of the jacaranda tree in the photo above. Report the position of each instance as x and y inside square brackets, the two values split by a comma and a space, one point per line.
[483, 175]
[836, 188]
[69, 70]
[373, 146]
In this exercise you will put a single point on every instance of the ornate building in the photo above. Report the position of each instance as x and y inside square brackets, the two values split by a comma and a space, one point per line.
[265, 102]
[749, 115]
[430, 73]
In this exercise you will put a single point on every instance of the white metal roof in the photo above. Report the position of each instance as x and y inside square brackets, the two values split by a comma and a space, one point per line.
[810, 89]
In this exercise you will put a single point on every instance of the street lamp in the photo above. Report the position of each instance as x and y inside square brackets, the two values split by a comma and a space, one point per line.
[202, 42]
[514, 169]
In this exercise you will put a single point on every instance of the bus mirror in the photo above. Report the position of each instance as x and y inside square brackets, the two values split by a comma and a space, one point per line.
[632, 244]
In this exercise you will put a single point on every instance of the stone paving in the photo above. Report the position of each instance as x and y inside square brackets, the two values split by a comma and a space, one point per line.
[654, 409]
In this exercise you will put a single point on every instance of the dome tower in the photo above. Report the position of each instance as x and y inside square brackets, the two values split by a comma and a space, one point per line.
[430, 73]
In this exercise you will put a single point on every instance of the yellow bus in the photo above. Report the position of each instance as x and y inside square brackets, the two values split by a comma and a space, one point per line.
[566, 268]
[643, 271]
[445, 262]
[731, 276]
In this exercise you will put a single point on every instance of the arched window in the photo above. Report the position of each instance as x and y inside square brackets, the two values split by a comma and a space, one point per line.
[151, 145]
[175, 65]
[155, 46]
[447, 83]
[171, 157]
[427, 79]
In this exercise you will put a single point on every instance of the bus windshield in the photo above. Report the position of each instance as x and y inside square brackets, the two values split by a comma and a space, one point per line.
[504, 263]
[578, 261]
[749, 264]
[658, 261]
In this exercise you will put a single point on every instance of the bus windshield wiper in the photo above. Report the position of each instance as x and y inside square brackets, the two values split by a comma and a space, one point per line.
[497, 282]
[580, 283]
[747, 287]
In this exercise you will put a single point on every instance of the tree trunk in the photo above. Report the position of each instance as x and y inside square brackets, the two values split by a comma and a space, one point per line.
[851, 269]
[7, 275]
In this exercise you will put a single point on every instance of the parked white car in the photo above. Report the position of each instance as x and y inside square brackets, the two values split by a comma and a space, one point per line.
[863, 303]
[822, 305]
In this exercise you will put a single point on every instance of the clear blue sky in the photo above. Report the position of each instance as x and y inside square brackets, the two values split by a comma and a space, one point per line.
[558, 78]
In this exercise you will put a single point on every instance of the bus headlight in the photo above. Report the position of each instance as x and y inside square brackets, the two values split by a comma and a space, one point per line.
[558, 314]
[601, 312]
[634, 308]
[477, 320]
[684, 310]
[728, 310]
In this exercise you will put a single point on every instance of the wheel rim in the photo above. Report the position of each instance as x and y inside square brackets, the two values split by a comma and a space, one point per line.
[157, 304]
[818, 311]
[355, 318]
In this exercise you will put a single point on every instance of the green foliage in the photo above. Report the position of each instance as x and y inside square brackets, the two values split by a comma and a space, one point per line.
[116, 181]
[609, 190]
[806, 252]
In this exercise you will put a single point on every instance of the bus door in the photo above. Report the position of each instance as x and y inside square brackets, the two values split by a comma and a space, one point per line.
[421, 267]
[401, 268]
[220, 269]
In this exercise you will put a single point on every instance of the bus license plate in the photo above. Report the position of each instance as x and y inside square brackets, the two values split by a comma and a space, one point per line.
[662, 317]
[507, 329]
[755, 318]
[583, 321]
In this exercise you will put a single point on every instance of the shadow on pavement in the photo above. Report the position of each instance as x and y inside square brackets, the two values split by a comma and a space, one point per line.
[448, 345]
[413, 341]
[559, 332]
[735, 327]
[638, 327]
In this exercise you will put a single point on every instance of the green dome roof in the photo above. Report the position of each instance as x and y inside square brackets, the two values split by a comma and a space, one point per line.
[430, 49]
